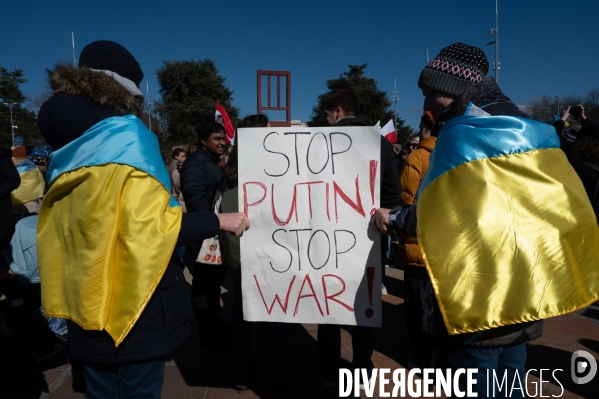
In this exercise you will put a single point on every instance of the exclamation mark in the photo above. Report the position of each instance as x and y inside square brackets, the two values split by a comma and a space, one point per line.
[370, 280]
[373, 167]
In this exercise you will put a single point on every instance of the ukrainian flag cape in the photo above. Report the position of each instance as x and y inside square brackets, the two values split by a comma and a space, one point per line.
[507, 232]
[32, 184]
[107, 227]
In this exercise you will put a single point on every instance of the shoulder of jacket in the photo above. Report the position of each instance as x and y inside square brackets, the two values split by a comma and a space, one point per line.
[415, 158]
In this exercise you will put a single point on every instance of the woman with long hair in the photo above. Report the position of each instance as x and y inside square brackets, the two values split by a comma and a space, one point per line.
[177, 158]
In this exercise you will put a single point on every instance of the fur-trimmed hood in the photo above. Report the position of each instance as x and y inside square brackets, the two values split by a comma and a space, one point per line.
[81, 99]
[99, 87]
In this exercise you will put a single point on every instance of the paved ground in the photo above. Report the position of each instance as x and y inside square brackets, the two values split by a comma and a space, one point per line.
[189, 374]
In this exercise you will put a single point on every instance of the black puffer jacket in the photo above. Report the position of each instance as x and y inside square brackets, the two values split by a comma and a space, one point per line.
[566, 138]
[81, 100]
[200, 177]
[390, 190]
[9, 181]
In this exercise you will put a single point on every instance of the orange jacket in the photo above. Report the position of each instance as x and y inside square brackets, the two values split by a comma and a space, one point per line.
[416, 165]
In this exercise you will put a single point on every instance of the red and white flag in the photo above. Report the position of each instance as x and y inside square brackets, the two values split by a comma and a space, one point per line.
[222, 117]
[389, 132]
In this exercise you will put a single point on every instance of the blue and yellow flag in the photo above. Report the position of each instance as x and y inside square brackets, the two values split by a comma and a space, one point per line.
[32, 184]
[507, 232]
[107, 227]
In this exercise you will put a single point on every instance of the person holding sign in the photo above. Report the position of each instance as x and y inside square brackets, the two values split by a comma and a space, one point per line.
[263, 370]
[341, 108]
[108, 227]
[506, 231]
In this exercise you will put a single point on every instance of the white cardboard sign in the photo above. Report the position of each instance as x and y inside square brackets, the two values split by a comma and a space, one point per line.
[311, 255]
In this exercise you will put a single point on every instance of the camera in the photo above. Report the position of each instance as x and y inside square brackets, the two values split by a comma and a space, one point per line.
[575, 110]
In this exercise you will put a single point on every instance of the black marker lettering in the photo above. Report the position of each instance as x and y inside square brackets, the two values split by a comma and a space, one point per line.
[296, 159]
[326, 143]
[282, 246]
[337, 253]
[299, 257]
[328, 250]
[333, 153]
[275, 152]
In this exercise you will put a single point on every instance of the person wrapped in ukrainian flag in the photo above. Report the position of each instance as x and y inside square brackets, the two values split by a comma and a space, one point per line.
[26, 198]
[505, 228]
[108, 227]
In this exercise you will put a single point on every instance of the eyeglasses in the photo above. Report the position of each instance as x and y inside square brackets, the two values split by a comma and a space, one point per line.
[413, 145]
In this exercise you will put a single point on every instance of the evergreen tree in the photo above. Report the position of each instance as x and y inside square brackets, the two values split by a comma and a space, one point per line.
[374, 104]
[189, 92]
[24, 119]
[403, 131]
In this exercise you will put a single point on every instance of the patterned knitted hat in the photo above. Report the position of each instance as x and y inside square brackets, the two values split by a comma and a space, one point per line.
[111, 56]
[456, 70]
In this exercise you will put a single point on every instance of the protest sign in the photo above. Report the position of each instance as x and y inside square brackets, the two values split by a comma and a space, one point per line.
[311, 255]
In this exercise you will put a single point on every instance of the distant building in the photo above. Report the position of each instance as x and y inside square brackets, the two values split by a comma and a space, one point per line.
[298, 123]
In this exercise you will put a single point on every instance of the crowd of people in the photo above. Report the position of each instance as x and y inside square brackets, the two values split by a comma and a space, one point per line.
[116, 228]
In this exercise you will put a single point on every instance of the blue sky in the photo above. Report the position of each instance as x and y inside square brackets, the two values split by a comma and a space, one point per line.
[545, 46]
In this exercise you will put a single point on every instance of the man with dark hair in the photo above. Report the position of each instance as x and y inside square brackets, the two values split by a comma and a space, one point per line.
[334, 105]
[340, 108]
[200, 177]
[340, 101]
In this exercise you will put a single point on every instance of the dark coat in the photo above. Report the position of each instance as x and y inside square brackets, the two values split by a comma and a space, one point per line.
[81, 100]
[231, 246]
[589, 176]
[490, 98]
[589, 126]
[9, 181]
[164, 324]
[200, 177]
[390, 190]
[566, 139]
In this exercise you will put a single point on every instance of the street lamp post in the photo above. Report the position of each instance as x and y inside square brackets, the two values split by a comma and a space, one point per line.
[149, 106]
[73, 41]
[12, 125]
[395, 100]
[496, 42]
[557, 97]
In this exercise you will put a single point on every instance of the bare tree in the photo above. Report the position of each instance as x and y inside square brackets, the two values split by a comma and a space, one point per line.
[592, 98]
[544, 108]
[35, 101]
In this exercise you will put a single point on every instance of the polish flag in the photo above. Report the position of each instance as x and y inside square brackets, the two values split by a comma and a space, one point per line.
[389, 132]
[222, 117]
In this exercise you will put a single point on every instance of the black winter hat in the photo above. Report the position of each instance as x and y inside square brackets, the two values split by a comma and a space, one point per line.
[111, 56]
[456, 70]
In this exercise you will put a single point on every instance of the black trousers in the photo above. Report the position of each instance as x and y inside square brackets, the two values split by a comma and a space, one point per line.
[422, 343]
[205, 295]
[256, 347]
